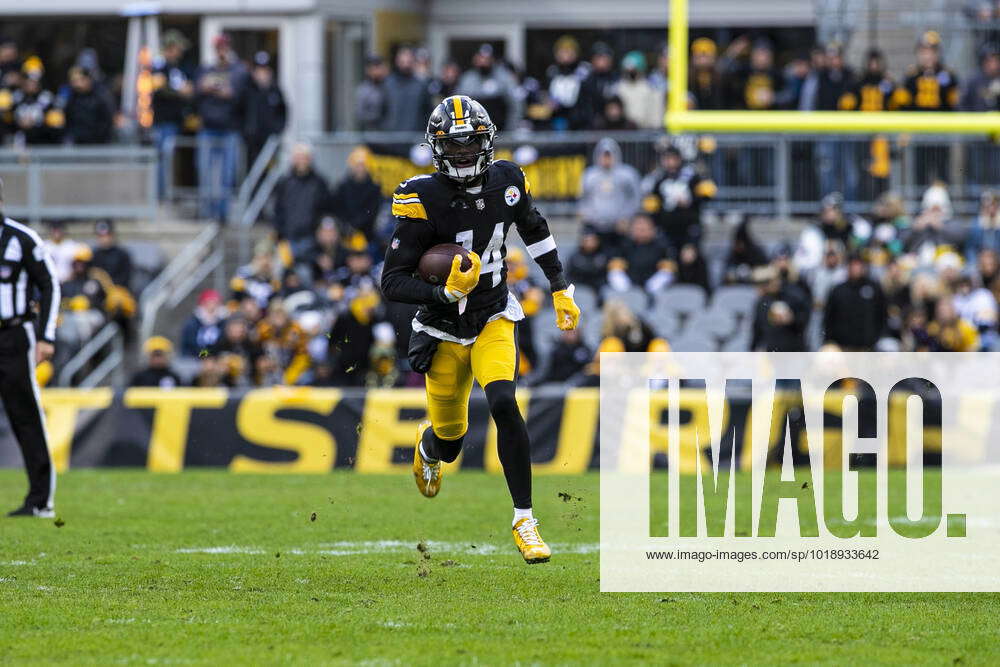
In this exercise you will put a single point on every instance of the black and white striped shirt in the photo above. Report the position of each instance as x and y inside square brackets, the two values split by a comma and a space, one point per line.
[25, 266]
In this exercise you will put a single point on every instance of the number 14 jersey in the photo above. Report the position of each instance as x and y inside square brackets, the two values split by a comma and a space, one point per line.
[433, 209]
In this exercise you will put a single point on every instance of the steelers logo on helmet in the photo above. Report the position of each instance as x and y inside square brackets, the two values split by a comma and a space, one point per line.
[460, 134]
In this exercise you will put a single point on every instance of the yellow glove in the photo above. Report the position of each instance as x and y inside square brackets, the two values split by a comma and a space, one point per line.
[460, 282]
[567, 312]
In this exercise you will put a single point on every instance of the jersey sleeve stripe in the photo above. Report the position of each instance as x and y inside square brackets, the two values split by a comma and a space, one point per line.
[413, 210]
[548, 244]
[412, 195]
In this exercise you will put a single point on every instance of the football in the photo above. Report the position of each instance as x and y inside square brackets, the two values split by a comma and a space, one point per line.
[435, 265]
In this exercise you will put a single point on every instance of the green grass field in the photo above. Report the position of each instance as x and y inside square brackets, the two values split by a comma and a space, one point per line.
[211, 567]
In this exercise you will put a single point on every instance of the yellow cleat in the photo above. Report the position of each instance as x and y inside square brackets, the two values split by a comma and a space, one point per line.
[529, 542]
[427, 475]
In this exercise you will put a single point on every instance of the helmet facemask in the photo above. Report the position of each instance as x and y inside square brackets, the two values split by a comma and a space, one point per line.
[463, 156]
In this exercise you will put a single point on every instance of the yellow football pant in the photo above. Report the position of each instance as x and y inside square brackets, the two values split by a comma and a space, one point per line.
[449, 381]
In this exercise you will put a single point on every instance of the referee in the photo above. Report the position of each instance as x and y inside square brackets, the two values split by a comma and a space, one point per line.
[25, 267]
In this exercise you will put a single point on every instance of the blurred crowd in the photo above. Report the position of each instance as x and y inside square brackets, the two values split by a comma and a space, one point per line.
[306, 309]
[232, 103]
[100, 279]
[602, 90]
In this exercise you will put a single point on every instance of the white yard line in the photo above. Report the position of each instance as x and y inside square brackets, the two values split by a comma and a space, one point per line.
[360, 548]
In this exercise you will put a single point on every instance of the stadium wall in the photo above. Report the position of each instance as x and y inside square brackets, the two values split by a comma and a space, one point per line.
[294, 429]
[312, 430]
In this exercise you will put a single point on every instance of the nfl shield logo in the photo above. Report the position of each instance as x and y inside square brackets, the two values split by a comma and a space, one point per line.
[480, 204]
[394, 244]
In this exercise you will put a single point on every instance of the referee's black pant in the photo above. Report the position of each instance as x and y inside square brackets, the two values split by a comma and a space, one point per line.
[22, 403]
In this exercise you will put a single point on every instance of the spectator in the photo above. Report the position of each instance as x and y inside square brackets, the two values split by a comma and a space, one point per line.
[659, 78]
[949, 332]
[978, 306]
[492, 85]
[157, 373]
[89, 110]
[173, 92]
[235, 350]
[929, 86]
[837, 165]
[596, 87]
[357, 198]
[609, 192]
[300, 198]
[982, 93]
[932, 227]
[613, 116]
[265, 111]
[220, 98]
[830, 273]
[675, 193]
[282, 346]
[808, 97]
[356, 274]
[258, 279]
[745, 255]
[61, 249]
[855, 316]
[874, 91]
[445, 84]
[10, 63]
[754, 82]
[621, 324]
[692, 268]
[203, 328]
[326, 255]
[350, 340]
[565, 77]
[781, 314]
[82, 307]
[643, 104]
[985, 231]
[371, 97]
[37, 117]
[795, 75]
[644, 259]
[407, 102]
[212, 372]
[382, 369]
[110, 256]
[833, 225]
[566, 359]
[704, 83]
[588, 266]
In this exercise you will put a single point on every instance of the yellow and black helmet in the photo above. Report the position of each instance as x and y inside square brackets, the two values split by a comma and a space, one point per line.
[461, 134]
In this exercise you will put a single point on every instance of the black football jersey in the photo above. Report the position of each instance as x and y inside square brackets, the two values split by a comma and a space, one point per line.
[432, 209]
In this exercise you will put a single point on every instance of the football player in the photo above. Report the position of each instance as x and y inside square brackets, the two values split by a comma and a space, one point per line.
[464, 329]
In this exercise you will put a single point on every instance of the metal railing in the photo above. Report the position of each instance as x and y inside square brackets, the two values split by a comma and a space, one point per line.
[195, 262]
[779, 175]
[44, 182]
[109, 342]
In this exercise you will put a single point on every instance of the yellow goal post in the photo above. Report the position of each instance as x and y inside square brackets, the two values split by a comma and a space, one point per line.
[679, 119]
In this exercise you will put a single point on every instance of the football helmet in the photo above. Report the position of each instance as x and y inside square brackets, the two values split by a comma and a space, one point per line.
[461, 134]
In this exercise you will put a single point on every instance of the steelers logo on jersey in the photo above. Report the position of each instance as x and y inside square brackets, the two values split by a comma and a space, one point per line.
[512, 195]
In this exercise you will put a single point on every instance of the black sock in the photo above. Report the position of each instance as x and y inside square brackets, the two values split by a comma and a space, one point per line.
[513, 446]
[441, 450]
